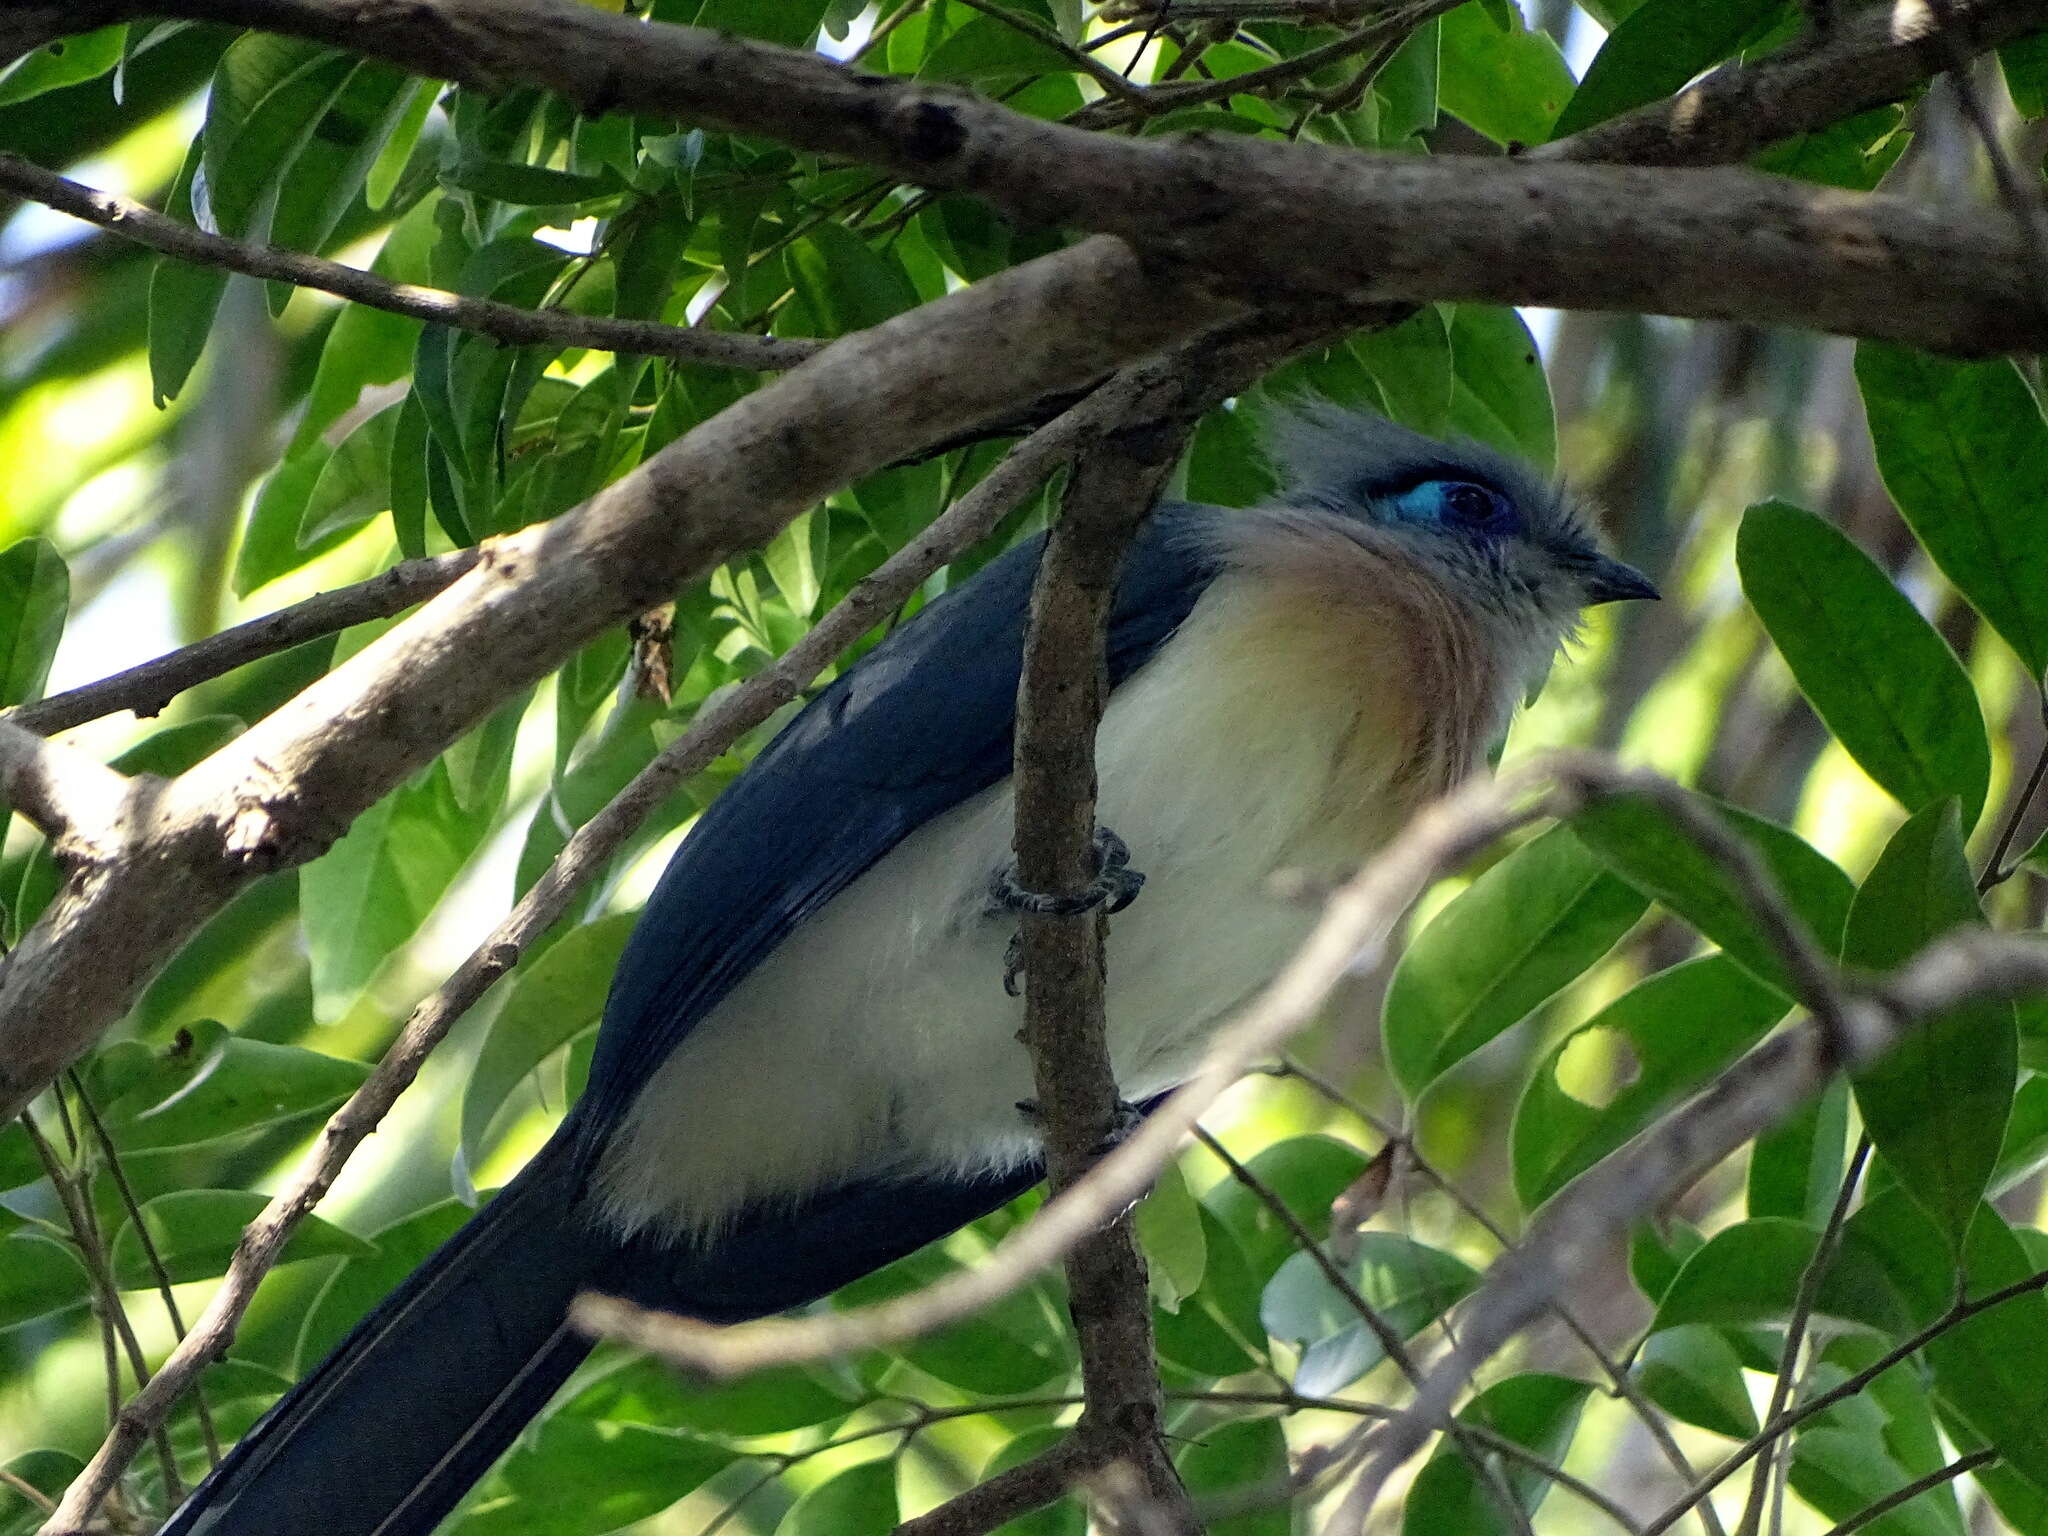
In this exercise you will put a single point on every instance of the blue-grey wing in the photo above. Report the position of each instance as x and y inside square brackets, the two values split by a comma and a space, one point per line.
[923, 722]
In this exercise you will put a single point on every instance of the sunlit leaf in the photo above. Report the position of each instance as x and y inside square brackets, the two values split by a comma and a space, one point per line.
[1518, 935]
[574, 1473]
[38, 1276]
[64, 62]
[1935, 1106]
[860, 1501]
[1509, 83]
[195, 1232]
[1694, 1374]
[1876, 672]
[1749, 1273]
[1408, 1284]
[35, 596]
[1659, 47]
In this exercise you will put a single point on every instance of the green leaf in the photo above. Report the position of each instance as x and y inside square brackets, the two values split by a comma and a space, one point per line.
[1749, 1274]
[326, 174]
[860, 1501]
[1508, 83]
[1854, 153]
[354, 484]
[183, 297]
[1878, 674]
[579, 1474]
[1015, 1346]
[368, 346]
[2025, 64]
[1411, 364]
[1992, 1370]
[1215, 1331]
[1796, 1170]
[35, 596]
[1842, 1472]
[1306, 1174]
[370, 892]
[1694, 1374]
[195, 1232]
[38, 1276]
[557, 997]
[1500, 394]
[1518, 935]
[1232, 1459]
[985, 51]
[381, 180]
[1958, 445]
[770, 1402]
[1169, 1226]
[1649, 851]
[1666, 1036]
[268, 95]
[843, 284]
[1937, 1105]
[1535, 1410]
[65, 62]
[1659, 47]
[792, 23]
[208, 1084]
[1408, 1284]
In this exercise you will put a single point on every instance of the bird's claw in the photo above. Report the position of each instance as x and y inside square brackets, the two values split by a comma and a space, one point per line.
[1115, 886]
[1126, 1119]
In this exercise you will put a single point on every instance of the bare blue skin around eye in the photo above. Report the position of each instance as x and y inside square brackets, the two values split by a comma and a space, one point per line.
[1431, 502]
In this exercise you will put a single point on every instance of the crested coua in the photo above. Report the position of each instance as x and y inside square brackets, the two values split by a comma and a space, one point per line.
[809, 1062]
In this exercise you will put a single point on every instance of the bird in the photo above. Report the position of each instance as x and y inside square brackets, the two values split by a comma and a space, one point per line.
[808, 1063]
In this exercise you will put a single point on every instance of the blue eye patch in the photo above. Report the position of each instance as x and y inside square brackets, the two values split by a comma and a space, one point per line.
[1466, 506]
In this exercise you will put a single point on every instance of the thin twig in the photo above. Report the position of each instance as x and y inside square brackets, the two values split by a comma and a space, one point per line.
[1995, 870]
[150, 1252]
[1391, 1344]
[1775, 1429]
[509, 323]
[1803, 1300]
[147, 688]
[1045, 37]
[27, 1490]
[1914, 1489]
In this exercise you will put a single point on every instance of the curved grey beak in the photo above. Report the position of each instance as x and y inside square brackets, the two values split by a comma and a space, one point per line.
[1609, 581]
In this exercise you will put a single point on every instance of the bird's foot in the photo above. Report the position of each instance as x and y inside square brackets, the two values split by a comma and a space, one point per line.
[1126, 1119]
[1115, 886]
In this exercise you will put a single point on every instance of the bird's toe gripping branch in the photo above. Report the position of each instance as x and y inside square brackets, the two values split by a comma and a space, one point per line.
[1115, 886]
[1128, 1118]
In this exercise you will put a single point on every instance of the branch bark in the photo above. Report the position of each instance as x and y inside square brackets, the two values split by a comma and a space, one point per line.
[76, 801]
[1256, 220]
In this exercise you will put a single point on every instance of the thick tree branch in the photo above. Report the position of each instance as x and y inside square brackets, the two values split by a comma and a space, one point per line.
[283, 791]
[1874, 55]
[1257, 220]
[508, 323]
[1060, 699]
[146, 689]
[74, 800]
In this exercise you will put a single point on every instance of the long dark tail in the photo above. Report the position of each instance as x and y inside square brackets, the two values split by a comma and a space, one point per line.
[387, 1434]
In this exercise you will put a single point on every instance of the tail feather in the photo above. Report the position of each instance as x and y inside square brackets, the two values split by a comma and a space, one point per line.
[385, 1436]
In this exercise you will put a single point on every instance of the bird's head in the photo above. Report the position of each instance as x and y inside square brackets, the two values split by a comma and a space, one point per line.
[1508, 541]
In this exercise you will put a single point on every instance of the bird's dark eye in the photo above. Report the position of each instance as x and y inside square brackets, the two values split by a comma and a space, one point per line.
[1475, 506]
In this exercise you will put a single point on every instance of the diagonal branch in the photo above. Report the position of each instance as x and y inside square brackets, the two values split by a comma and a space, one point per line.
[74, 800]
[508, 323]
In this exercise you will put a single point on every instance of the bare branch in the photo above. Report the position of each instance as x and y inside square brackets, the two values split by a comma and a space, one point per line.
[148, 688]
[72, 799]
[1254, 219]
[508, 323]
[1867, 59]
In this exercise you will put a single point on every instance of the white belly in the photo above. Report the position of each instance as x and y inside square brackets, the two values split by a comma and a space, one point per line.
[878, 1037]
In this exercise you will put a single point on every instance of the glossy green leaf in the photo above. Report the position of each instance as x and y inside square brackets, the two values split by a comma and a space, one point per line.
[1407, 1283]
[1992, 1370]
[1535, 1410]
[64, 62]
[2024, 62]
[183, 296]
[1215, 1331]
[1411, 364]
[1015, 1346]
[35, 596]
[326, 174]
[1665, 1037]
[370, 892]
[1509, 83]
[267, 97]
[860, 1501]
[1518, 935]
[843, 283]
[1659, 47]
[1646, 848]
[354, 484]
[769, 1402]
[1749, 1273]
[579, 1474]
[1854, 153]
[1878, 674]
[1936, 1106]
[1694, 1374]
[1305, 1174]
[1958, 444]
[368, 346]
[208, 1084]
[1231, 1459]
[555, 998]
[38, 1276]
[1795, 1170]
[1169, 1226]
[1841, 1473]
[195, 1232]
[1499, 394]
